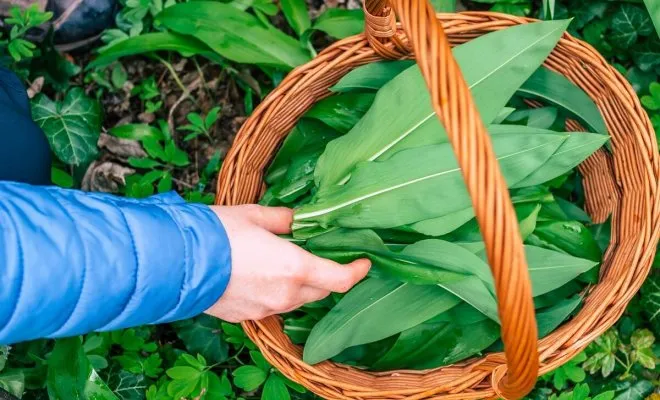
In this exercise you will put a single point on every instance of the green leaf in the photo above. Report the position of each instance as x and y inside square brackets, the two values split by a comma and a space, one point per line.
[13, 382]
[203, 335]
[72, 126]
[341, 111]
[144, 162]
[183, 373]
[249, 377]
[61, 179]
[650, 301]
[308, 136]
[461, 224]
[295, 12]
[4, 354]
[609, 395]
[541, 118]
[446, 6]
[234, 34]
[402, 117]
[136, 132]
[436, 343]
[150, 42]
[577, 148]
[275, 389]
[371, 76]
[340, 23]
[636, 391]
[298, 329]
[96, 389]
[549, 319]
[571, 237]
[218, 388]
[557, 90]
[373, 310]
[628, 23]
[427, 262]
[647, 54]
[412, 177]
[550, 270]
[181, 388]
[642, 339]
[260, 361]
[194, 362]
[654, 11]
[68, 370]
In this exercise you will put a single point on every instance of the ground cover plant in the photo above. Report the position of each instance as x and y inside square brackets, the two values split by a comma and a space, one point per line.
[162, 120]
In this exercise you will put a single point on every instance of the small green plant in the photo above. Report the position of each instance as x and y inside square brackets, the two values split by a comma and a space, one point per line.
[163, 156]
[200, 126]
[149, 93]
[608, 351]
[652, 104]
[582, 392]
[22, 21]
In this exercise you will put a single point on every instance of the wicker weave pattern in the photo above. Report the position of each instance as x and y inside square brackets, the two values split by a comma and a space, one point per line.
[625, 185]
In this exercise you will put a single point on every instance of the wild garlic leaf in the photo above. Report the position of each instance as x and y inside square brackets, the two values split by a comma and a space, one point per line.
[307, 136]
[495, 63]
[549, 269]
[345, 245]
[72, 125]
[371, 76]
[457, 222]
[419, 183]
[374, 309]
[427, 262]
[234, 34]
[577, 148]
[556, 89]
[341, 111]
[435, 343]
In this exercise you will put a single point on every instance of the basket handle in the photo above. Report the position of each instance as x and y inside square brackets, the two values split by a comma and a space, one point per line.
[453, 103]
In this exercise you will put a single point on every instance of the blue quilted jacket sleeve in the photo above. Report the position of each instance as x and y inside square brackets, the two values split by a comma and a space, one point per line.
[76, 262]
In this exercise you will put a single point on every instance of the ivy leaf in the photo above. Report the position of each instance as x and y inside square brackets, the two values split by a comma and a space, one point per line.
[636, 391]
[127, 386]
[628, 23]
[647, 54]
[650, 301]
[203, 335]
[97, 389]
[249, 377]
[72, 125]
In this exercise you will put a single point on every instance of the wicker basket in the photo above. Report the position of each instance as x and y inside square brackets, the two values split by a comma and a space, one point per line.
[623, 184]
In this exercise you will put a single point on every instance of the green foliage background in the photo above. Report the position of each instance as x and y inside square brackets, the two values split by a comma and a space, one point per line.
[203, 357]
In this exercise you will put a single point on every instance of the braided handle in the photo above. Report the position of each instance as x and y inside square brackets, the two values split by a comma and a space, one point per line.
[453, 103]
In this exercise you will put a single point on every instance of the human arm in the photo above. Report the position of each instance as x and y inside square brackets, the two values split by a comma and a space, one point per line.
[76, 262]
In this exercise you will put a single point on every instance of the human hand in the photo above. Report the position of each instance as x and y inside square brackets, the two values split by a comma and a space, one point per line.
[270, 275]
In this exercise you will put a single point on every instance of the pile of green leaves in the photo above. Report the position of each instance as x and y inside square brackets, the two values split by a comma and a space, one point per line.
[371, 174]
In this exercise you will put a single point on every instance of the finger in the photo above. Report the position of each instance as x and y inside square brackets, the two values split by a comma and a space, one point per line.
[329, 275]
[276, 220]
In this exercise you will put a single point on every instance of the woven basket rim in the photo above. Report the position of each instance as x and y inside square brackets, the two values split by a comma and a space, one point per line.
[625, 264]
